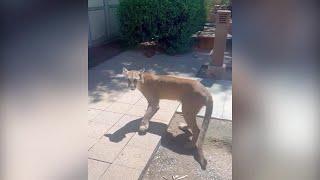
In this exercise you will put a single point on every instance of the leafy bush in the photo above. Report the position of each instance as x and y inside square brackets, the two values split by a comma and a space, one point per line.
[169, 22]
[225, 2]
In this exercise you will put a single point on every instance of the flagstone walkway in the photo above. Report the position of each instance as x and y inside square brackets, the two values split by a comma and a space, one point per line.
[115, 146]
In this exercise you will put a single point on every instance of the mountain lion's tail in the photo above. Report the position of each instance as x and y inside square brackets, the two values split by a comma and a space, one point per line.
[203, 130]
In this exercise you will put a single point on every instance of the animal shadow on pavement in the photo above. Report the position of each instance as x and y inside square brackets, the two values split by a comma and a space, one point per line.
[176, 144]
[168, 140]
[133, 126]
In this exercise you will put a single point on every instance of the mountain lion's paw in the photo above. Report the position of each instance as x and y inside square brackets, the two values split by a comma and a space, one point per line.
[183, 126]
[143, 129]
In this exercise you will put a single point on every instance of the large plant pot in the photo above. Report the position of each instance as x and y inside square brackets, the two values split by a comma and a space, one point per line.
[205, 42]
[205, 38]
[148, 49]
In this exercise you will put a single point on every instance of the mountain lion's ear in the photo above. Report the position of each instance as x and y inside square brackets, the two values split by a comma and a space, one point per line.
[141, 77]
[124, 71]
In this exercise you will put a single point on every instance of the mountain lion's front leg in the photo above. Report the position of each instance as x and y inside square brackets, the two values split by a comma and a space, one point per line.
[152, 109]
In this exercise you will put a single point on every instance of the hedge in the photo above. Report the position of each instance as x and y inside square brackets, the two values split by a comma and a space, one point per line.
[171, 23]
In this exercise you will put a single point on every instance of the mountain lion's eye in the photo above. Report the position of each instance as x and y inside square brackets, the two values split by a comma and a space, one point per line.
[134, 80]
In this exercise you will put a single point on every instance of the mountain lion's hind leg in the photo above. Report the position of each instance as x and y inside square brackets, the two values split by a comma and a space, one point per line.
[189, 113]
[153, 107]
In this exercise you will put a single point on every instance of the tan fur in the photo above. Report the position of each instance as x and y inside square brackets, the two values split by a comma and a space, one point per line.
[192, 94]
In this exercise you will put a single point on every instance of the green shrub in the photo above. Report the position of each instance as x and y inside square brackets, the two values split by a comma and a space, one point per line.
[169, 22]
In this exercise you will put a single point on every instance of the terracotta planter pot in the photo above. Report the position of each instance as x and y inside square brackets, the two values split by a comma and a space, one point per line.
[149, 49]
[205, 42]
[205, 38]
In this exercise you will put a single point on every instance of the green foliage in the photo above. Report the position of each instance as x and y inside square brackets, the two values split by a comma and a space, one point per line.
[225, 2]
[169, 22]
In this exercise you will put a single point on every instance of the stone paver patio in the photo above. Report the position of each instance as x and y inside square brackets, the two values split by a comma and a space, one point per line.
[115, 149]
[114, 144]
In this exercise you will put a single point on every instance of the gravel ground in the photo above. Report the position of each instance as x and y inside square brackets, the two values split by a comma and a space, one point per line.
[173, 159]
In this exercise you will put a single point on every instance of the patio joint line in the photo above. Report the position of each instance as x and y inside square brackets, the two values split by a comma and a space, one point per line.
[99, 160]
[119, 153]
[107, 130]
[100, 109]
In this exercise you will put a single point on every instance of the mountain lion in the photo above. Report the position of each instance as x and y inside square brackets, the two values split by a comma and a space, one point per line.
[192, 95]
